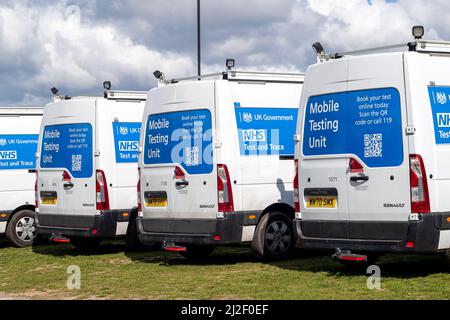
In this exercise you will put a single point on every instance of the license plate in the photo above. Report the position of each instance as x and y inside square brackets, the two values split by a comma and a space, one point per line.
[156, 202]
[49, 201]
[321, 202]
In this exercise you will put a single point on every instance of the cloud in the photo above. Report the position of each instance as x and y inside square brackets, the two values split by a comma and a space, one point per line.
[52, 45]
[44, 43]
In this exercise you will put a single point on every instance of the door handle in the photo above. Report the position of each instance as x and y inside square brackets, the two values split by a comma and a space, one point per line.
[182, 183]
[68, 185]
[359, 178]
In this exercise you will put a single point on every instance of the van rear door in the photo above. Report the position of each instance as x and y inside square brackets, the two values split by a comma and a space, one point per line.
[322, 169]
[67, 184]
[378, 192]
[179, 178]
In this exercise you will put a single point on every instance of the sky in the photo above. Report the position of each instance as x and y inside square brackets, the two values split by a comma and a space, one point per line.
[76, 45]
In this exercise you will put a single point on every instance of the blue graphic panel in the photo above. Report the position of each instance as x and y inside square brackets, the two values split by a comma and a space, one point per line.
[266, 131]
[365, 123]
[18, 151]
[440, 107]
[70, 147]
[183, 138]
[126, 141]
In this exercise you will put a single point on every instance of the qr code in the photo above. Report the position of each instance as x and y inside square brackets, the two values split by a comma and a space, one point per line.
[77, 162]
[191, 156]
[373, 145]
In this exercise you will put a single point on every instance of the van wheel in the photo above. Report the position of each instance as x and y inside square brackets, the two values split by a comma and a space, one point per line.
[21, 229]
[197, 252]
[132, 239]
[274, 237]
[85, 243]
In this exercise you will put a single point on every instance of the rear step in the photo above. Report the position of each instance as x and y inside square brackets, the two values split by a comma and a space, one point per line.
[172, 247]
[57, 238]
[347, 255]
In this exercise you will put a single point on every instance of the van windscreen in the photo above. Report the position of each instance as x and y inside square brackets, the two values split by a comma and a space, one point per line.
[68, 147]
[183, 137]
[365, 123]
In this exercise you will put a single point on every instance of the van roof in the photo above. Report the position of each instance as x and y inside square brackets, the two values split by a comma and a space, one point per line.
[122, 95]
[5, 111]
[434, 47]
[245, 76]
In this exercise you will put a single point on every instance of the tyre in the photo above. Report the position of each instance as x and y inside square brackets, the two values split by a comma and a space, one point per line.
[85, 243]
[21, 229]
[197, 252]
[274, 237]
[132, 239]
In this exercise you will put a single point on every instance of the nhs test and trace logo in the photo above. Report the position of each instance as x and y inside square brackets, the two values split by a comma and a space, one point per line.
[443, 118]
[128, 146]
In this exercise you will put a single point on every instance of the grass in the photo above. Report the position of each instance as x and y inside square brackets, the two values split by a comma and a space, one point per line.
[230, 273]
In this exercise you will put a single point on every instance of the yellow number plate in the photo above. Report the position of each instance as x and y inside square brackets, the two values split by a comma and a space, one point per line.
[49, 201]
[321, 202]
[156, 202]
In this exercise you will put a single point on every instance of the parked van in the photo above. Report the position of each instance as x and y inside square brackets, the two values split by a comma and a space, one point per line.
[87, 166]
[217, 163]
[19, 128]
[373, 173]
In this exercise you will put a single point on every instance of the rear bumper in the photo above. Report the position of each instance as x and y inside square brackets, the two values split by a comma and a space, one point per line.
[95, 226]
[424, 234]
[228, 230]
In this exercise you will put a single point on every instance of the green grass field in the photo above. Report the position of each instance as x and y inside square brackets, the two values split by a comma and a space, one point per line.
[230, 273]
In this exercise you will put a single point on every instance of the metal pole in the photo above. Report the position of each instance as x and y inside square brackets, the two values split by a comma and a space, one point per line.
[199, 47]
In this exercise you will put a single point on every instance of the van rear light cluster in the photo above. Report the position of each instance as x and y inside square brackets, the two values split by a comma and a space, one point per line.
[420, 200]
[101, 191]
[296, 188]
[139, 201]
[356, 166]
[66, 177]
[224, 190]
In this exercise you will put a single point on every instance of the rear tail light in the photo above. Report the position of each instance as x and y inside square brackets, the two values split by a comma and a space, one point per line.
[139, 201]
[36, 195]
[355, 166]
[179, 173]
[420, 200]
[66, 176]
[224, 190]
[296, 188]
[102, 191]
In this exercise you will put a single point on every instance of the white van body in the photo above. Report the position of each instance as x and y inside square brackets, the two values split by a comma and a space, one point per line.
[19, 129]
[233, 128]
[87, 165]
[373, 151]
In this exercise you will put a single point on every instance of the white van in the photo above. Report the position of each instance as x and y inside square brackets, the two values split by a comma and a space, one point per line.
[87, 166]
[19, 128]
[217, 163]
[373, 148]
